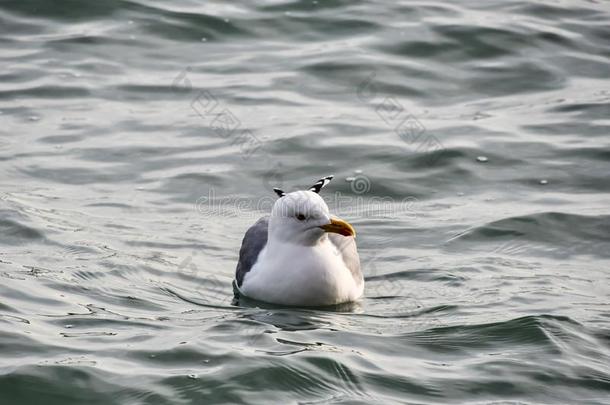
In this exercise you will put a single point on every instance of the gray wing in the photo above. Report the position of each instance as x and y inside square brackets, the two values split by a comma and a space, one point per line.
[347, 247]
[254, 241]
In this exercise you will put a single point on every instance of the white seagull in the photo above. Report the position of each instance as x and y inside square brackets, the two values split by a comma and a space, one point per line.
[300, 255]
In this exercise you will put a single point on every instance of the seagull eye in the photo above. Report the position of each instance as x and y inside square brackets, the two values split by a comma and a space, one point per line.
[300, 217]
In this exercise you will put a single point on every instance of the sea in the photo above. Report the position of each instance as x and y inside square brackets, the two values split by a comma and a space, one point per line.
[470, 147]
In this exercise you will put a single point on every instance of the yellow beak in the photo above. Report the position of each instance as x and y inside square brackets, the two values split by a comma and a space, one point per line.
[339, 226]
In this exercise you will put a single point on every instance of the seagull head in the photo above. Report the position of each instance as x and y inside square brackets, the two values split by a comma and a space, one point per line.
[303, 217]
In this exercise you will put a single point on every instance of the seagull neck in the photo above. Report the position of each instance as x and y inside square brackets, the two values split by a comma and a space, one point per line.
[305, 239]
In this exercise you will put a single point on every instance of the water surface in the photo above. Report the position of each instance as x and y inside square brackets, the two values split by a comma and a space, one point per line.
[469, 143]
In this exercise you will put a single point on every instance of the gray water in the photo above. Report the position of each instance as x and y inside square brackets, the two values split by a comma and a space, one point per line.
[469, 143]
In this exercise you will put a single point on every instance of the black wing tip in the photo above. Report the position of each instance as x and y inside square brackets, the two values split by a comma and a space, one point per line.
[279, 192]
[320, 184]
[315, 188]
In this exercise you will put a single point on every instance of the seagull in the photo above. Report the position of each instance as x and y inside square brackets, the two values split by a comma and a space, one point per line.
[300, 255]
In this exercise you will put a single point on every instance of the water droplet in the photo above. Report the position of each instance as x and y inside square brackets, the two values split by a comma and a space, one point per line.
[130, 22]
[482, 158]
[204, 39]
[68, 326]
[350, 179]
[226, 20]
[34, 118]
[460, 194]
[192, 376]
[358, 171]
[544, 182]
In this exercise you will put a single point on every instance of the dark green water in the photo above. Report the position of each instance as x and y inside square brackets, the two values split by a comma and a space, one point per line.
[470, 144]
